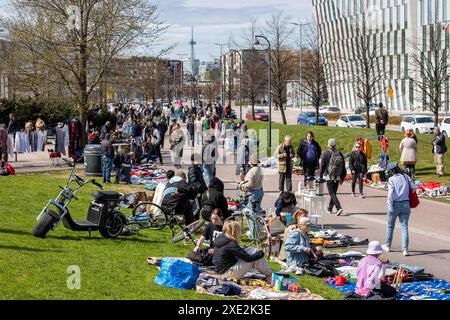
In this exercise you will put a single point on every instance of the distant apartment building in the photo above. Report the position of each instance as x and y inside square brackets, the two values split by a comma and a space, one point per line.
[144, 78]
[400, 26]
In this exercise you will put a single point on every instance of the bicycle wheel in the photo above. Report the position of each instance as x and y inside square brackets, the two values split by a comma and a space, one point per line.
[188, 231]
[157, 218]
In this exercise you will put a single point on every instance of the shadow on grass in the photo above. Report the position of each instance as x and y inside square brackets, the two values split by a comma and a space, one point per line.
[17, 248]
[96, 238]
[16, 232]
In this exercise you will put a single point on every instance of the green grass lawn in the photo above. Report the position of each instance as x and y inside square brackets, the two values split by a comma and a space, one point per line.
[346, 137]
[32, 268]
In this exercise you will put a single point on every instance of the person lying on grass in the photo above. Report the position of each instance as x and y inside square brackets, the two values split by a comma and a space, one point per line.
[298, 249]
[234, 261]
[212, 231]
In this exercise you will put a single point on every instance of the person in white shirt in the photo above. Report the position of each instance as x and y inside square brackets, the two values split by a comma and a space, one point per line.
[398, 206]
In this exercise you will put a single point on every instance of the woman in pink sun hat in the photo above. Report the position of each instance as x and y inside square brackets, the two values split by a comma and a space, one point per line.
[370, 272]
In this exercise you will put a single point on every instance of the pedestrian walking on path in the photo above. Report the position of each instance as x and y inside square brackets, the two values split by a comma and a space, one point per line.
[332, 169]
[439, 150]
[382, 119]
[107, 157]
[285, 154]
[398, 206]
[358, 167]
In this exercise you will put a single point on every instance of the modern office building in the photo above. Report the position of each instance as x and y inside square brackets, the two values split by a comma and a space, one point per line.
[399, 26]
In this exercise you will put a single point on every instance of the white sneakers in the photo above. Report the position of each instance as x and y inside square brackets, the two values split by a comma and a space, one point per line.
[405, 253]
[297, 270]
[340, 211]
[386, 248]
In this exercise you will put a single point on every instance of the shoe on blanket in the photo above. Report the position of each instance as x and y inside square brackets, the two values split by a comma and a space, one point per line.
[299, 271]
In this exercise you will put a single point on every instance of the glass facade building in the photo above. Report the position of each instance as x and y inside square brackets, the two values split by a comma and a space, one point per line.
[396, 26]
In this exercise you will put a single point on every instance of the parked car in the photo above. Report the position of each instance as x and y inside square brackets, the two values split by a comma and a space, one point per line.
[308, 118]
[351, 121]
[260, 115]
[331, 109]
[445, 126]
[363, 110]
[418, 123]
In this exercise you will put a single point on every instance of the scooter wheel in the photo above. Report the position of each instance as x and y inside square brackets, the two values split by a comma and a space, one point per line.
[45, 223]
[114, 227]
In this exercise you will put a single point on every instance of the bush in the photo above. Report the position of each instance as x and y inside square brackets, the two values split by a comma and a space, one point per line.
[28, 109]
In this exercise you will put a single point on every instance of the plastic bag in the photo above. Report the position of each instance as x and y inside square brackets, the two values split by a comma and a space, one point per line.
[177, 273]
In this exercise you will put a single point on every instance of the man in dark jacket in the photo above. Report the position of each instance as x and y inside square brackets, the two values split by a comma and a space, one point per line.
[286, 202]
[439, 150]
[214, 199]
[107, 157]
[177, 196]
[234, 262]
[382, 118]
[105, 130]
[332, 167]
[309, 152]
[195, 178]
[162, 127]
[190, 126]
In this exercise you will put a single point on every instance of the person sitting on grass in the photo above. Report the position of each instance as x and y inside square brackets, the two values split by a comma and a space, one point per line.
[232, 260]
[297, 248]
[298, 217]
[370, 273]
[211, 232]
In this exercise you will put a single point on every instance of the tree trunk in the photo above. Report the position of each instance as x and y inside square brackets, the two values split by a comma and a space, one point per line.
[368, 115]
[283, 116]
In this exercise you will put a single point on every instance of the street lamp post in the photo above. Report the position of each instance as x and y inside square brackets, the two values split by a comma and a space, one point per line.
[240, 80]
[222, 73]
[300, 96]
[270, 85]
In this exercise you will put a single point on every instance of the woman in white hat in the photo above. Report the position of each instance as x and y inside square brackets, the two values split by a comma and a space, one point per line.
[370, 272]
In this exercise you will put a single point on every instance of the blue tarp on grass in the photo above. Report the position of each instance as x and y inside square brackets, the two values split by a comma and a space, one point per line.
[426, 290]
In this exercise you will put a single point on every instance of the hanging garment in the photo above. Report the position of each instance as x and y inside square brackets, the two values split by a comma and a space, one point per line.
[35, 141]
[60, 140]
[74, 138]
[66, 135]
[10, 144]
[21, 143]
[368, 149]
[40, 140]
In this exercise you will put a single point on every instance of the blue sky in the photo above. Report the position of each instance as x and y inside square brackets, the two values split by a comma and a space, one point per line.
[215, 20]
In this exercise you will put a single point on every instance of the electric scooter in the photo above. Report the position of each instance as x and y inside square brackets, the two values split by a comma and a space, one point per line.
[103, 214]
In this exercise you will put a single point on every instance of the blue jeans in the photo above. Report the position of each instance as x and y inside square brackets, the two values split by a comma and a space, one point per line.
[107, 166]
[208, 173]
[402, 210]
[255, 196]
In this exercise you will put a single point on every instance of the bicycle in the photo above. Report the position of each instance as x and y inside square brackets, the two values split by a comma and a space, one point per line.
[159, 221]
[260, 236]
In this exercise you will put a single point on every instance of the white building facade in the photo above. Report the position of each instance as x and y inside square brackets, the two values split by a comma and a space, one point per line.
[399, 26]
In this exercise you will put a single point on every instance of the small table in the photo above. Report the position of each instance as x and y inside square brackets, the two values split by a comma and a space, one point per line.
[314, 203]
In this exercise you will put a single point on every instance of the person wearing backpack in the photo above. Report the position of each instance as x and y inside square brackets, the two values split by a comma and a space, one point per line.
[309, 152]
[358, 167]
[332, 168]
